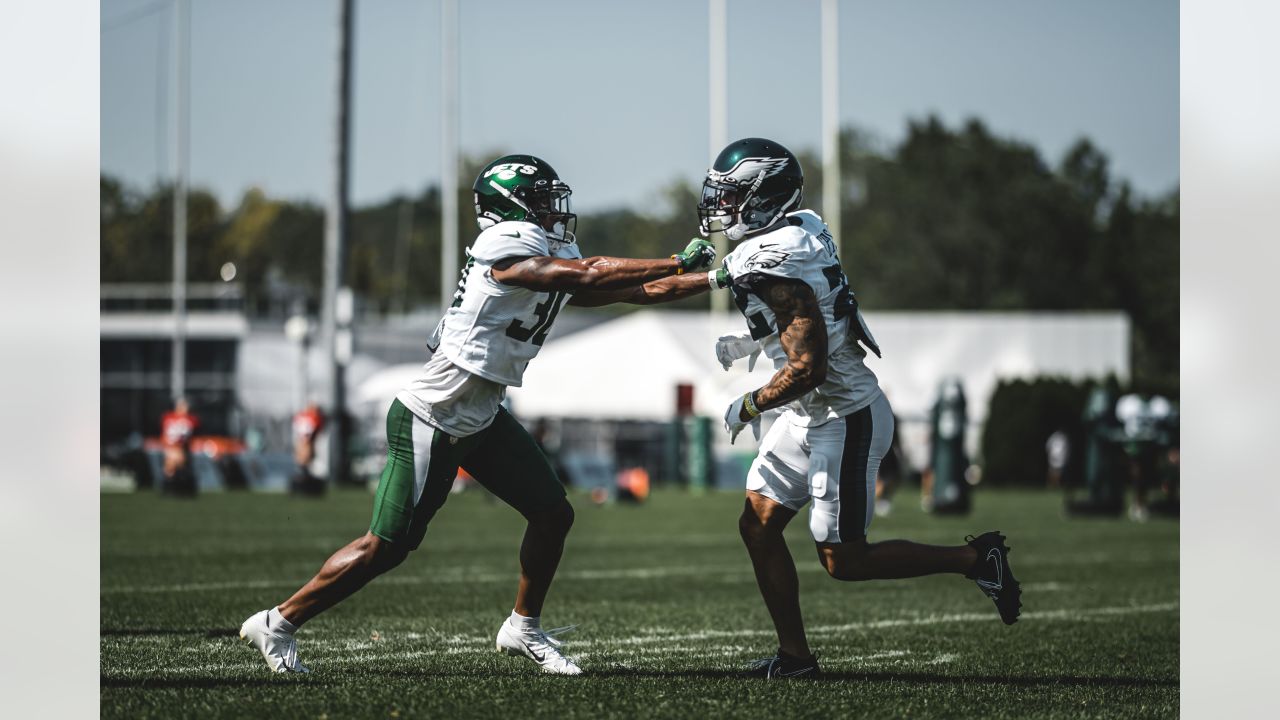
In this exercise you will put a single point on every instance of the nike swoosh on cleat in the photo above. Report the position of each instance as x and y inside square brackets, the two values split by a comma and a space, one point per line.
[537, 658]
[797, 673]
[994, 554]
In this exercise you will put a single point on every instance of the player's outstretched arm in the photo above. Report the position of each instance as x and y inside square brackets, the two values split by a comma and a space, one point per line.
[803, 335]
[600, 272]
[653, 293]
[593, 273]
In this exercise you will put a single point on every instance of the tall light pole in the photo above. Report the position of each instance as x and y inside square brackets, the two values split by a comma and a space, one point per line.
[448, 151]
[831, 119]
[336, 305]
[181, 121]
[719, 95]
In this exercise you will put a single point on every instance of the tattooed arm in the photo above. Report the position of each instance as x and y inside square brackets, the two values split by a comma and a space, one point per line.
[803, 335]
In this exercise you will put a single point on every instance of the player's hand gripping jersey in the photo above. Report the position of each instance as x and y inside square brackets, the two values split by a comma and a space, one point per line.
[489, 335]
[801, 248]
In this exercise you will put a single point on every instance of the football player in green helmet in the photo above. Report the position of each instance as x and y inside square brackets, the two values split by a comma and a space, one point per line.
[523, 188]
[522, 269]
[835, 424]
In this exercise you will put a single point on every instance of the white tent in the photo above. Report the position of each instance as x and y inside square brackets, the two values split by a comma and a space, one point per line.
[629, 368]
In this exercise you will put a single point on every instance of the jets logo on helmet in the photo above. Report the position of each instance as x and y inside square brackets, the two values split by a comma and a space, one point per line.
[507, 171]
[524, 188]
[748, 169]
[751, 185]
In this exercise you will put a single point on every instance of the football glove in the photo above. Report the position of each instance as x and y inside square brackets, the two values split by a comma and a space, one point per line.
[697, 255]
[731, 348]
[733, 421]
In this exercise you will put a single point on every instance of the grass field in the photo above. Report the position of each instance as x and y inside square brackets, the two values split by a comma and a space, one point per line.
[667, 610]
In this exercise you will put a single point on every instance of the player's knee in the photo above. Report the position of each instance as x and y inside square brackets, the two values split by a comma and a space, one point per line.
[381, 555]
[845, 562]
[556, 521]
[565, 517]
[753, 530]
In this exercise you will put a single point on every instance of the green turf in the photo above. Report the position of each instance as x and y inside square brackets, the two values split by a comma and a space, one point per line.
[667, 608]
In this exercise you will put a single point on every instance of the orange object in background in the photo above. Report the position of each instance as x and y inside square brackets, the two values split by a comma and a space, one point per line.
[176, 430]
[307, 424]
[216, 446]
[633, 484]
[178, 426]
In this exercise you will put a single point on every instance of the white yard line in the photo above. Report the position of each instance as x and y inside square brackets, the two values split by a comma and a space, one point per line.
[442, 577]
[455, 575]
[454, 643]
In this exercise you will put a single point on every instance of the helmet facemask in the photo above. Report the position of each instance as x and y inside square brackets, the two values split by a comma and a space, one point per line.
[548, 206]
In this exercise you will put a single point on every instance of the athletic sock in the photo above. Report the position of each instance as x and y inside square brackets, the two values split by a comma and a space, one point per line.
[521, 622]
[277, 624]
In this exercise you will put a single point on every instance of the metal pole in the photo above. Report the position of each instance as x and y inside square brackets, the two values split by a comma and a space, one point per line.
[182, 32]
[448, 151]
[831, 119]
[335, 246]
[404, 235]
[719, 93]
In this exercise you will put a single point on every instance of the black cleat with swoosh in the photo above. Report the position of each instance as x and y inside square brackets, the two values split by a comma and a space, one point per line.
[994, 576]
[785, 667]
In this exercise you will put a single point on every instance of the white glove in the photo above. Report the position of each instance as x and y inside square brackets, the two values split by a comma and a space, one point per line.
[733, 419]
[731, 348]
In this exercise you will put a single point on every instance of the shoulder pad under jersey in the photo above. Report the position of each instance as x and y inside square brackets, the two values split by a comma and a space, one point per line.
[781, 253]
[510, 239]
[807, 220]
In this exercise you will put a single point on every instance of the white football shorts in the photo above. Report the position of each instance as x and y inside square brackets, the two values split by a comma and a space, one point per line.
[834, 463]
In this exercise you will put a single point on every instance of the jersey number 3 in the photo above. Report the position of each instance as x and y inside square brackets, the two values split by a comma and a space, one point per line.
[545, 313]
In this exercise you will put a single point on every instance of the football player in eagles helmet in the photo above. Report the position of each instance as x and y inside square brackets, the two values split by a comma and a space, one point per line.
[752, 184]
[835, 424]
[521, 270]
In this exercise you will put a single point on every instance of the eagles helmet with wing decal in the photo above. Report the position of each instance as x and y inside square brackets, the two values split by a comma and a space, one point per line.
[524, 187]
[750, 186]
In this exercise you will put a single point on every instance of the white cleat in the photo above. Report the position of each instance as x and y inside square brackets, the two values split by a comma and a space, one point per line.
[280, 649]
[538, 646]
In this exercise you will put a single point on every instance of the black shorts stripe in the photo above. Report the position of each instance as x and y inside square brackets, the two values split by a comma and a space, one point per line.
[852, 515]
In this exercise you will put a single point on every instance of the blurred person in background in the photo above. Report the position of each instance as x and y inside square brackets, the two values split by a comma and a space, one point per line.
[827, 446]
[521, 270]
[307, 425]
[177, 427]
[1057, 451]
[1145, 441]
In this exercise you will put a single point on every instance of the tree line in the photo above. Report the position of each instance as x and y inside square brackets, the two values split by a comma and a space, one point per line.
[948, 218]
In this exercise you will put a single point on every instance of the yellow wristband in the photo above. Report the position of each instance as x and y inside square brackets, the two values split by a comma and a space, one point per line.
[749, 404]
[679, 265]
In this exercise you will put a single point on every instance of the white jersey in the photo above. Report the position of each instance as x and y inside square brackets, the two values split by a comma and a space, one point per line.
[801, 248]
[487, 338]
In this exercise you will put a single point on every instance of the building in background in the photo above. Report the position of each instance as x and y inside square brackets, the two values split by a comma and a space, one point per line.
[136, 353]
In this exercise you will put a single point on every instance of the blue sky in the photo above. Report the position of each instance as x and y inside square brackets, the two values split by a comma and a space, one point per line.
[614, 94]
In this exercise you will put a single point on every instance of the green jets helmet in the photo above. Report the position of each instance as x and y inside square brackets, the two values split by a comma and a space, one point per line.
[750, 186]
[523, 187]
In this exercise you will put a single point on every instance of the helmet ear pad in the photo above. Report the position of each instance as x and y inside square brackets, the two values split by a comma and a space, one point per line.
[763, 211]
